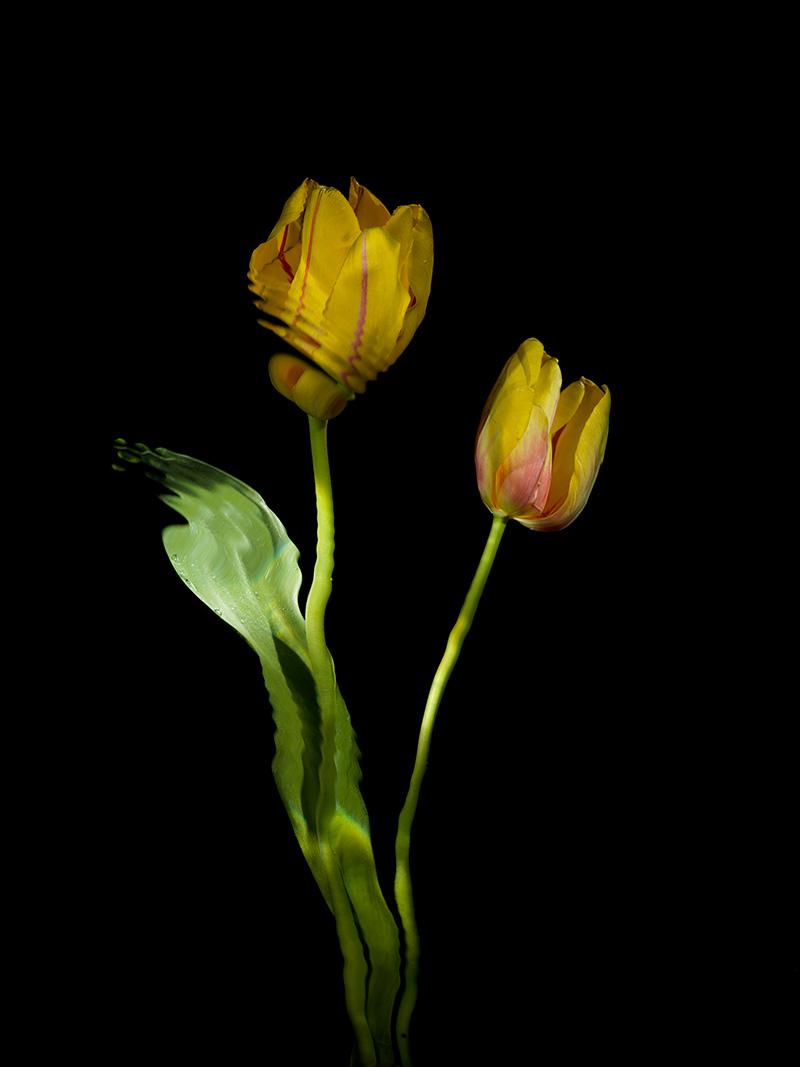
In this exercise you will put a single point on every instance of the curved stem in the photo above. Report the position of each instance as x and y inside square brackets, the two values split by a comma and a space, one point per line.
[355, 965]
[402, 884]
[318, 597]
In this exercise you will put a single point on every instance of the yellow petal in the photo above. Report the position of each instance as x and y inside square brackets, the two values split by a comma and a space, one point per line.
[294, 206]
[367, 207]
[365, 313]
[330, 229]
[578, 453]
[568, 404]
[512, 456]
[417, 272]
[531, 355]
[520, 371]
[293, 336]
[400, 226]
[525, 365]
[274, 263]
[523, 479]
[502, 431]
[546, 389]
[309, 388]
[507, 422]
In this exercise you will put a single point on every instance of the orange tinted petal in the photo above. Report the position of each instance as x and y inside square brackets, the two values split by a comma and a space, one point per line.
[306, 386]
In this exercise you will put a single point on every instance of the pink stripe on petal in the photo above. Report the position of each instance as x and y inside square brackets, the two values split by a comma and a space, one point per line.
[308, 257]
[282, 257]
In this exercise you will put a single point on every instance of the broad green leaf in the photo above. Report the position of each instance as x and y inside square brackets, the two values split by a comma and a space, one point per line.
[235, 555]
[233, 552]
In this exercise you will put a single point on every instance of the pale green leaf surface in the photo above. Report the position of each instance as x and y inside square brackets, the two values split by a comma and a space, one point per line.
[234, 553]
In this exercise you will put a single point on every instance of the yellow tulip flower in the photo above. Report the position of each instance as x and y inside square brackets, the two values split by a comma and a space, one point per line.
[539, 449]
[348, 284]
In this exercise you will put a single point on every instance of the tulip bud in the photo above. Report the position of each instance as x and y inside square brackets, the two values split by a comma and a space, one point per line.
[309, 388]
[347, 282]
[538, 449]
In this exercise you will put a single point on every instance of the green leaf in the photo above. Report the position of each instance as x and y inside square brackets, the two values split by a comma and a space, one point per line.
[235, 555]
[233, 552]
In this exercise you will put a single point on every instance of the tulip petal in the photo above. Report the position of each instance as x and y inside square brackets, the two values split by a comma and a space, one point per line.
[546, 390]
[530, 379]
[529, 356]
[579, 451]
[417, 272]
[400, 225]
[523, 478]
[294, 207]
[520, 371]
[329, 231]
[365, 313]
[524, 366]
[274, 263]
[508, 421]
[308, 387]
[367, 208]
[568, 404]
[513, 455]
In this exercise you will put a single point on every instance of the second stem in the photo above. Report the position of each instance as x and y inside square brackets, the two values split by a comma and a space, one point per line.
[402, 884]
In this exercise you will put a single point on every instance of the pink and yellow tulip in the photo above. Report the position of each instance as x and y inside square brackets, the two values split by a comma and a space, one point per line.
[348, 284]
[539, 449]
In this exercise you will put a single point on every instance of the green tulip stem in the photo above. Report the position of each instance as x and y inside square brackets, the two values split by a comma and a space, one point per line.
[355, 966]
[402, 884]
[318, 597]
[319, 594]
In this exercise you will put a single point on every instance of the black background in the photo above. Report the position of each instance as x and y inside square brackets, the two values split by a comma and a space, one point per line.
[585, 845]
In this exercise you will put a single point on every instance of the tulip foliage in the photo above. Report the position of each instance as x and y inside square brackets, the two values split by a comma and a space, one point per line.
[235, 555]
[345, 284]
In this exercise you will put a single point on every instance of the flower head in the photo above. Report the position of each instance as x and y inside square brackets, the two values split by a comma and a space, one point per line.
[348, 284]
[539, 449]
